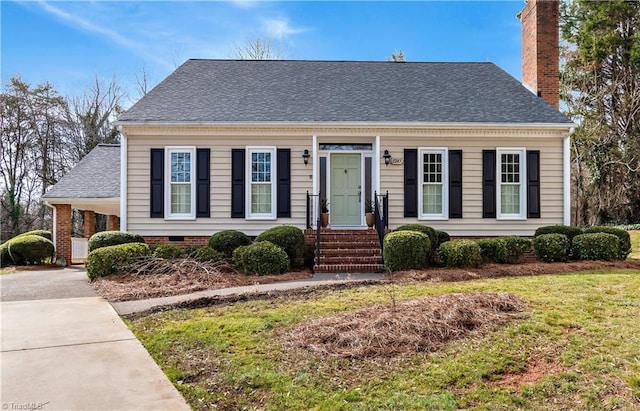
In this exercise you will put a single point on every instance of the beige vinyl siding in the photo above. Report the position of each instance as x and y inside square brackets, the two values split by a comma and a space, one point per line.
[391, 177]
[138, 186]
[472, 224]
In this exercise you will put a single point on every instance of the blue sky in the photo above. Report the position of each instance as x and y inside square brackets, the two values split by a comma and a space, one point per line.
[69, 43]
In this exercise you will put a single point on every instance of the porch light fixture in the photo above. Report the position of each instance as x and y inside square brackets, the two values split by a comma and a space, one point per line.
[305, 156]
[387, 157]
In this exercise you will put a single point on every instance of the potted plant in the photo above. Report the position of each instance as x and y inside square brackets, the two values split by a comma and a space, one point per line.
[368, 213]
[324, 213]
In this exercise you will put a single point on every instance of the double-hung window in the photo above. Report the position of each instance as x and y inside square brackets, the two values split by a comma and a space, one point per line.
[511, 183]
[433, 174]
[261, 166]
[180, 185]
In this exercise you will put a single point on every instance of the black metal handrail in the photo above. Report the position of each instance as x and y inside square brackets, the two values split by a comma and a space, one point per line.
[380, 212]
[315, 210]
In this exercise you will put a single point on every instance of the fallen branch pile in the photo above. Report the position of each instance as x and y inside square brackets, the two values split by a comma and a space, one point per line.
[421, 325]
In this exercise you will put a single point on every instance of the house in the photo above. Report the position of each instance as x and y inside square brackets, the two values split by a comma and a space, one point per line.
[462, 147]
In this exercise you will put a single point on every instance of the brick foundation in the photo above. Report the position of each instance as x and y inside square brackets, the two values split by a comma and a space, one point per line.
[63, 231]
[180, 241]
[89, 223]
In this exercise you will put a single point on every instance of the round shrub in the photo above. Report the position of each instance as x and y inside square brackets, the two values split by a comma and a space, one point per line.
[189, 251]
[568, 230]
[238, 258]
[406, 250]
[460, 253]
[424, 229]
[443, 237]
[596, 246]
[624, 247]
[289, 238]
[515, 247]
[5, 258]
[109, 238]
[111, 259]
[30, 249]
[261, 258]
[167, 251]
[42, 233]
[228, 240]
[552, 247]
[492, 250]
[206, 253]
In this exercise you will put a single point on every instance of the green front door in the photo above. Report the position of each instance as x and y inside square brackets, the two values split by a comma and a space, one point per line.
[346, 179]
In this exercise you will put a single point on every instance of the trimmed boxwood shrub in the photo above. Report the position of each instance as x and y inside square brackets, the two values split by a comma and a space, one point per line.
[189, 251]
[596, 246]
[227, 241]
[5, 258]
[568, 230]
[406, 250]
[42, 233]
[167, 251]
[261, 258]
[492, 249]
[109, 260]
[206, 253]
[425, 229]
[289, 238]
[516, 246]
[460, 253]
[443, 237]
[624, 247]
[552, 247]
[109, 238]
[30, 249]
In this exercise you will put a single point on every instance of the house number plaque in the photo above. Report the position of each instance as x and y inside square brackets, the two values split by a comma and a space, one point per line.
[397, 161]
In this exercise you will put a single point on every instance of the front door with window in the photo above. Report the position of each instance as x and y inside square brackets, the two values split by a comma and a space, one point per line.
[345, 189]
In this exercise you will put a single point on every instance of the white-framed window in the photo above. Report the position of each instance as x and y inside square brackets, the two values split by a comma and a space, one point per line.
[511, 180]
[261, 188]
[433, 191]
[180, 190]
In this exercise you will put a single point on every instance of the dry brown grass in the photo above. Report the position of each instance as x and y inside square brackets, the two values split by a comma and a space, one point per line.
[421, 325]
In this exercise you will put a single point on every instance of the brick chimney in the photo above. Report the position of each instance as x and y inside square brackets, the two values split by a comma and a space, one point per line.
[540, 49]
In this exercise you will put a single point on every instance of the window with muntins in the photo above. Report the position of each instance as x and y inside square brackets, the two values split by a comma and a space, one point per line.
[511, 179]
[433, 176]
[180, 200]
[261, 187]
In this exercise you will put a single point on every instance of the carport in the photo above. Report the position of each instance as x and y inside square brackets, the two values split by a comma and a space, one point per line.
[92, 186]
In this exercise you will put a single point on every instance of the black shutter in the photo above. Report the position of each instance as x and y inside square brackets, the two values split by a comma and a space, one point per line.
[156, 206]
[237, 183]
[202, 182]
[533, 184]
[410, 182]
[284, 182]
[488, 184]
[455, 183]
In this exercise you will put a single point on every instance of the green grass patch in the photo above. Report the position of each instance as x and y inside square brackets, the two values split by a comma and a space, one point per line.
[578, 348]
[635, 244]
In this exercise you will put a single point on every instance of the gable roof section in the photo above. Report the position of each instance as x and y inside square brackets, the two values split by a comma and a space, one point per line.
[97, 175]
[264, 91]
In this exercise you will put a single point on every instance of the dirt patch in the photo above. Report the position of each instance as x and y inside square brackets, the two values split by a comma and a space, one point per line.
[421, 325]
[506, 270]
[535, 371]
[127, 287]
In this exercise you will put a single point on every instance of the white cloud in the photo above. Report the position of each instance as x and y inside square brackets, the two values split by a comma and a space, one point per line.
[279, 28]
[78, 22]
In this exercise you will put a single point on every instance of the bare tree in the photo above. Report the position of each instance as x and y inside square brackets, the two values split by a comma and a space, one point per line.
[260, 49]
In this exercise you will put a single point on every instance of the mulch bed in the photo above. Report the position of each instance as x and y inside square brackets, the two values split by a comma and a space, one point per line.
[421, 325]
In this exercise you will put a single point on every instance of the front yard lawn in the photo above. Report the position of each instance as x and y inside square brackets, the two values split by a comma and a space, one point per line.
[575, 346]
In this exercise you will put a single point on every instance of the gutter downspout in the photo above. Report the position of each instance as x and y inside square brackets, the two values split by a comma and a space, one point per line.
[566, 179]
[123, 180]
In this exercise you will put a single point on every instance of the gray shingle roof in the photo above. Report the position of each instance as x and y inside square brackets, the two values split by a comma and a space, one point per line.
[97, 175]
[340, 91]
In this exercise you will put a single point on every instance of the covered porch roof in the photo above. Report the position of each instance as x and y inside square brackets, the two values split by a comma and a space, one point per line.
[93, 184]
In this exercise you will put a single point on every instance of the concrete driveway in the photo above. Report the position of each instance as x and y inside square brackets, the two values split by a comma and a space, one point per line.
[64, 348]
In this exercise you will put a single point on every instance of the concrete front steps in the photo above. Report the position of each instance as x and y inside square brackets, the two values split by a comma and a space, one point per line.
[348, 251]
